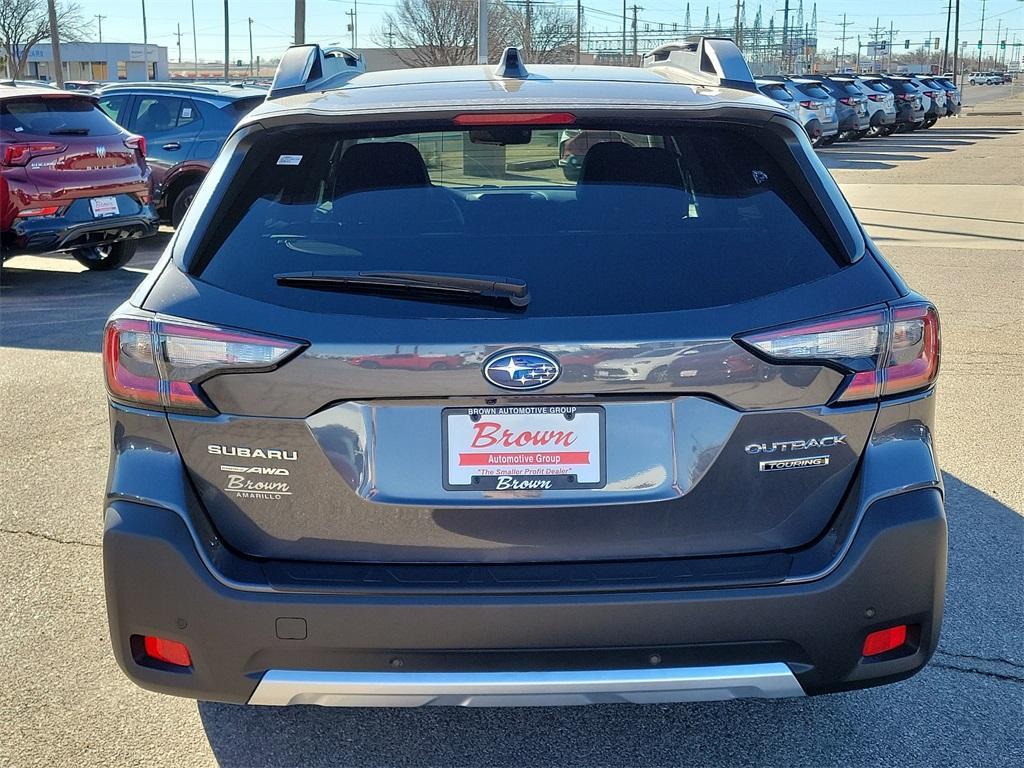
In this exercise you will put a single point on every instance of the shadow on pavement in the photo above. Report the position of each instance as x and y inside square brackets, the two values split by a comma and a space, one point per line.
[884, 153]
[934, 718]
[65, 310]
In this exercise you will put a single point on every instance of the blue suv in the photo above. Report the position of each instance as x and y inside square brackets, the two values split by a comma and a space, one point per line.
[185, 125]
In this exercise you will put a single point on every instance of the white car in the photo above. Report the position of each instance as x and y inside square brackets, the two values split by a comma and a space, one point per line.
[985, 78]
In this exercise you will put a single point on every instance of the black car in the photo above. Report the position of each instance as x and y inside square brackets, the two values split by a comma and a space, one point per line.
[740, 499]
[185, 125]
[910, 109]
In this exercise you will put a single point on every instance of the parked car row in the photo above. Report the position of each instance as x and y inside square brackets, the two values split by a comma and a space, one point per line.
[89, 173]
[850, 107]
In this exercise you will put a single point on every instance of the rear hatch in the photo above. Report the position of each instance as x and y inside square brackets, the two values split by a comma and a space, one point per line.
[616, 415]
[74, 150]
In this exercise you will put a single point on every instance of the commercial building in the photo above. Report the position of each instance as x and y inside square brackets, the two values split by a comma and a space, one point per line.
[99, 61]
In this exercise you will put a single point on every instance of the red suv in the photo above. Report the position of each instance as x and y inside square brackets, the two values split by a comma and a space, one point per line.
[71, 179]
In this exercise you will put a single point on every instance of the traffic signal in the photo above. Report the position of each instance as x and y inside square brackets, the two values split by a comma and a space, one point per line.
[936, 46]
[1002, 45]
[906, 44]
[979, 45]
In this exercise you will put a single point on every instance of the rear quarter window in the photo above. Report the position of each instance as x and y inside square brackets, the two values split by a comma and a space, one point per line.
[54, 116]
[637, 221]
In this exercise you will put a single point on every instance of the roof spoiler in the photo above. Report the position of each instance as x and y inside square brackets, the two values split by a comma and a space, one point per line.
[714, 61]
[312, 68]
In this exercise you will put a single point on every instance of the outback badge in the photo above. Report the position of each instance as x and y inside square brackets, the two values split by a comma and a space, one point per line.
[521, 369]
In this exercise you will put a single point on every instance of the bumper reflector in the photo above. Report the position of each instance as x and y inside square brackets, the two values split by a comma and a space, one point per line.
[885, 640]
[167, 651]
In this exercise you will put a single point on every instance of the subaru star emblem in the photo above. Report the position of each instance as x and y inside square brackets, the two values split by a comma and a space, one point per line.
[521, 369]
[101, 151]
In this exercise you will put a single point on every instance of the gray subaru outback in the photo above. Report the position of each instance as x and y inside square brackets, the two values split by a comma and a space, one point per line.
[405, 416]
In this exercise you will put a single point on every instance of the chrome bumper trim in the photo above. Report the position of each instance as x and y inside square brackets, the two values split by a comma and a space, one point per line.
[281, 687]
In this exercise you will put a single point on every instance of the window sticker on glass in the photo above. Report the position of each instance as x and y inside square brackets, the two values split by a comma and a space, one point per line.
[186, 112]
[289, 159]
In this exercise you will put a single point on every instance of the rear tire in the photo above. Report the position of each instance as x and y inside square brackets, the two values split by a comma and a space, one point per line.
[103, 258]
[181, 203]
[826, 141]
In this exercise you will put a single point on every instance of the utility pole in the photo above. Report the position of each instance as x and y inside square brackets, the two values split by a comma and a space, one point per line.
[99, 25]
[623, 32]
[956, 47]
[227, 42]
[635, 61]
[528, 32]
[945, 47]
[300, 22]
[737, 33]
[785, 32]
[178, 35]
[250, 46]
[58, 66]
[481, 32]
[579, 28]
[889, 65]
[843, 39]
[352, 25]
[999, 31]
[981, 38]
[145, 41]
[195, 44]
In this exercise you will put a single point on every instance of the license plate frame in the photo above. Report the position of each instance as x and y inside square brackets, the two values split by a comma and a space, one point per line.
[103, 207]
[552, 476]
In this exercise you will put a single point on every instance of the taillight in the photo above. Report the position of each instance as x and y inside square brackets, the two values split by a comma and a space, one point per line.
[19, 153]
[158, 363]
[137, 143]
[876, 97]
[848, 100]
[810, 104]
[905, 96]
[43, 210]
[884, 352]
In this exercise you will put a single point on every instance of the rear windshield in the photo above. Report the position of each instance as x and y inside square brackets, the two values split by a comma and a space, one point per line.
[777, 92]
[902, 86]
[814, 91]
[596, 221]
[846, 87]
[54, 116]
[878, 86]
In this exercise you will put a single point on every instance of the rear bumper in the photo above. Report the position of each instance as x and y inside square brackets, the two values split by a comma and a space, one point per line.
[524, 647]
[45, 234]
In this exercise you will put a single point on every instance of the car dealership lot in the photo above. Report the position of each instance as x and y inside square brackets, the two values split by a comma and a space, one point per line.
[945, 204]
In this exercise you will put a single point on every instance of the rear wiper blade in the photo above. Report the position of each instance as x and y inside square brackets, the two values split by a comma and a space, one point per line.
[69, 132]
[514, 291]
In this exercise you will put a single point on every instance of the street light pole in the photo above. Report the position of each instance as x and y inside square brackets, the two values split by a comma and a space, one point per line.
[145, 42]
[956, 48]
[250, 46]
[99, 25]
[981, 37]
[195, 45]
[945, 48]
[300, 22]
[227, 45]
[55, 43]
[481, 32]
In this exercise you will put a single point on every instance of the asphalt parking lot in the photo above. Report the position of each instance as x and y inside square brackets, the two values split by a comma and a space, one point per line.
[946, 205]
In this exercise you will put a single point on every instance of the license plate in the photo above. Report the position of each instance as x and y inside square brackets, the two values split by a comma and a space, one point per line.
[104, 206]
[829, 114]
[523, 447]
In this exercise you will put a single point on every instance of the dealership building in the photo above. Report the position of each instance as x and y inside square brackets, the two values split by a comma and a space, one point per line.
[99, 61]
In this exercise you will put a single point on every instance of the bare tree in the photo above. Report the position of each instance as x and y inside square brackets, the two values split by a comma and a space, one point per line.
[545, 33]
[23, 23]
[430, 33]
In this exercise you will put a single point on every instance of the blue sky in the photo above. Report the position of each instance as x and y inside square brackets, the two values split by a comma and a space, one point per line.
[326, 20]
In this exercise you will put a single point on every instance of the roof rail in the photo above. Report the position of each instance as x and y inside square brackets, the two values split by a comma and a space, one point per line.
[706, 60]
[170, 84]
[312, 68]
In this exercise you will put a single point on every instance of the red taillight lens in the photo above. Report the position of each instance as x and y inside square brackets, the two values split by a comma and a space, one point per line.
[876, 97]
[810, 104]
[19, 153]
[885, 640]
[46, 210]
[847, 100]
[167, 651]
[160, 364]
[887, 352]
[516, 118]
[137, 143]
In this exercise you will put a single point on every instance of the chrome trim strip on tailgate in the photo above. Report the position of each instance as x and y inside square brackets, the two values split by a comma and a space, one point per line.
[281, 687]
